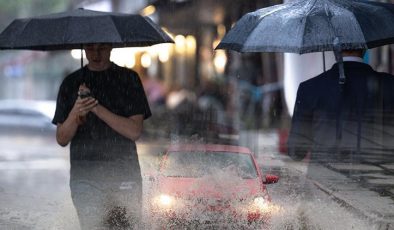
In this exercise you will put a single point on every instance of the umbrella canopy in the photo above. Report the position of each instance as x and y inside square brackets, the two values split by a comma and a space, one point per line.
[306, 26]
[72, 29]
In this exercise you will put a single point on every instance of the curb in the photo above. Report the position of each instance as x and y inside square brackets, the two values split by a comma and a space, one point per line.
[374, 217]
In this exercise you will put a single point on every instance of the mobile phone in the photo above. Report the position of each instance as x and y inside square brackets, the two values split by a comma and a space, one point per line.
[84, 94]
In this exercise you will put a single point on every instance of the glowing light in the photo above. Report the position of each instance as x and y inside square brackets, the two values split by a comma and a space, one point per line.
[130, 63]
[152, 51]
[191, 43]
[149, 10]
[124, 57]
[180, 42]
[146, 60]
[76, 54]
[221, 30]
[164, 56]
[260, 203]
[165, 200]
[220, 61]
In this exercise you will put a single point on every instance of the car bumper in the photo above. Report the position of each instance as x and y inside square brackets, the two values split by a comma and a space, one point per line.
[212, 219]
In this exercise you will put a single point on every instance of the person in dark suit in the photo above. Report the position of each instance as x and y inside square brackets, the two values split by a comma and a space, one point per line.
[350, 122]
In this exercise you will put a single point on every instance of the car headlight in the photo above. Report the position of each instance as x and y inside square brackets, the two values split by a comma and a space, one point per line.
[165, 201]
[260, 204]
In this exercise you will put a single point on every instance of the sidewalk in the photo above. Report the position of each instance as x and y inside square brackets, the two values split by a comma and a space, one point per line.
[368, 193]
[353, 195]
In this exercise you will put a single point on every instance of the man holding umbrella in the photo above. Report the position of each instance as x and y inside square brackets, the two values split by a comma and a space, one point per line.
[100, 110]
[102, 128]
[100, 107]
[348, 109]
[344, 122]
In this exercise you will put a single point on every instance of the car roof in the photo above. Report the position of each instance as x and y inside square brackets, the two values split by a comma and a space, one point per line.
[209, 147]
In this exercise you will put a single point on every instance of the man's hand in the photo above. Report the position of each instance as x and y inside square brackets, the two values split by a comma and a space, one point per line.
[65, 131]
[83, 105]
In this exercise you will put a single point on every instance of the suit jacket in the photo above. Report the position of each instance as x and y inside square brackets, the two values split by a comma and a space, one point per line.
[350, 122]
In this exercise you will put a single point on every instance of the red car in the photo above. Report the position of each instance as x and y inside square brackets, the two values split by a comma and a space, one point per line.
[213, 185]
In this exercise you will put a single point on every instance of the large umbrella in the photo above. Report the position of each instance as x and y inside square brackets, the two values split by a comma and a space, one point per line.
[306, 26]
[72, 29]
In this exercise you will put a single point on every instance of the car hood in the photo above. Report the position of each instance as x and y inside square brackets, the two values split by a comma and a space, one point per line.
[207, 187]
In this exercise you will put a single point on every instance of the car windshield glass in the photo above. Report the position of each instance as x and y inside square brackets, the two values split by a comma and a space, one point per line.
[198, 164]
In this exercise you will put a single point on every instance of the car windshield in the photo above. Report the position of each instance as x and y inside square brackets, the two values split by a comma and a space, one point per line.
[199, 164]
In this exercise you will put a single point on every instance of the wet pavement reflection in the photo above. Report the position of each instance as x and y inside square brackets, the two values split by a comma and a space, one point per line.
[35, 194]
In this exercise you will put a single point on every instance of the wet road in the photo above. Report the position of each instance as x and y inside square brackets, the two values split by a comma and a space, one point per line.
[34, 192]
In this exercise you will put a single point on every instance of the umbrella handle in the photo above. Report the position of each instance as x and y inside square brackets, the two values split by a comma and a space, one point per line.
[81, 56]
[324, 61]
[342, 77]
[339, 59]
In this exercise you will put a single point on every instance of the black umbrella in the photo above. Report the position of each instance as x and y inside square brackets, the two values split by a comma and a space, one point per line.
[72, 29]
[307, 26]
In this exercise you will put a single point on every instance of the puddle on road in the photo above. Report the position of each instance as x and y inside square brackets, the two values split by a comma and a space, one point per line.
[321, 214]
[312, 216]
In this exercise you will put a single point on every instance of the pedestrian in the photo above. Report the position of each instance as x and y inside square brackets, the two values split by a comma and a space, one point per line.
[350, 122]
[100, 111]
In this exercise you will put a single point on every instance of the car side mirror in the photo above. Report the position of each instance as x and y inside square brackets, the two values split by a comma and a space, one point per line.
[271, 179]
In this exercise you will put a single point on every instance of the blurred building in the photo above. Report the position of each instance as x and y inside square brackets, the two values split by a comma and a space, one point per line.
[239, 77]
[249, 86]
